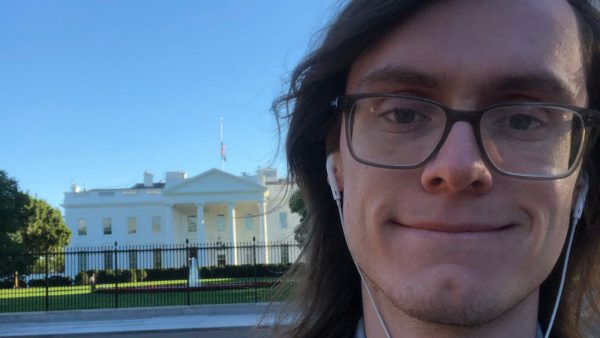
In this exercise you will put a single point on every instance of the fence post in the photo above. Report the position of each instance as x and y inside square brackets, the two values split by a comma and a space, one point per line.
[187, 250]
[254, 264]
[116, 277]
[46, 270]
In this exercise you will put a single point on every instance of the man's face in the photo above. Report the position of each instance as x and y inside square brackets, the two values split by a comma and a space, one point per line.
[453, 241]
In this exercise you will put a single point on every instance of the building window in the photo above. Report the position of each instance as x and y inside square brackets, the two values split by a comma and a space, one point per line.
[283, 223]
[285, 254]
[193, 252]
[81, 227]
[156, 224]
[192, 224]
[82, 261]
[107, 226]
[108, 260]
[221, 223]
[248, 224]
[157, 258]
[133, 259]
[250, 258]
[221, 259]
[131, 225]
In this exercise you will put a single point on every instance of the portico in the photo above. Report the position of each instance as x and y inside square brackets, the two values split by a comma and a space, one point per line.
[216, 207]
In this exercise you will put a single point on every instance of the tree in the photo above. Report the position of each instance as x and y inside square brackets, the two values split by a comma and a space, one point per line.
[12, 204]
[27, 226]
[44, 228]
[297, 206]
[12, 218]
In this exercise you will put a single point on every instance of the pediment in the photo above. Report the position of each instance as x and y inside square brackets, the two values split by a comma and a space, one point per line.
[215, 181]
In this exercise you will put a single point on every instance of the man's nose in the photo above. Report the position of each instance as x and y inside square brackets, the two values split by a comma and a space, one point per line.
[458, 166]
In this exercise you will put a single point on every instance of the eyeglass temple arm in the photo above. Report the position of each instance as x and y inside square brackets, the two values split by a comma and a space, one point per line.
[591, 118]
[335, 103]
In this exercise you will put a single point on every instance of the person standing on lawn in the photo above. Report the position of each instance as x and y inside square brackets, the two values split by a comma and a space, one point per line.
[93, 282]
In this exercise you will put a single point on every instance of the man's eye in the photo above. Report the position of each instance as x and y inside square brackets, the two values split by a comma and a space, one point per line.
[404, 116]
[523, 122]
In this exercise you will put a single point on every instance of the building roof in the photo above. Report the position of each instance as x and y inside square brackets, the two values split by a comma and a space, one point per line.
[154, 186]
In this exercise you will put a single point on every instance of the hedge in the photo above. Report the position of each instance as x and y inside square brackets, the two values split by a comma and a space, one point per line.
[228, 271]
[52, 281]
[241, 271]
[9, 283]
[166, 274]
[139, 275]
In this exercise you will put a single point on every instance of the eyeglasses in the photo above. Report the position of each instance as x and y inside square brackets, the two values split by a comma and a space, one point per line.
[527, 140]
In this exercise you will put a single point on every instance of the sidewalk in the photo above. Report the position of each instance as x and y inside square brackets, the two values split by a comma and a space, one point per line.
[131, 320]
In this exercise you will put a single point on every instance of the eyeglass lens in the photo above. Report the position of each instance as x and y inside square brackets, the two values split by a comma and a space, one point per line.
[523, 140]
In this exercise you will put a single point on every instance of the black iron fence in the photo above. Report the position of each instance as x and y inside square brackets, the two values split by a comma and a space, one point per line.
[133, 276]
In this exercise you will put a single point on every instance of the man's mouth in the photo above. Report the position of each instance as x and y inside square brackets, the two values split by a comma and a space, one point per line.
[463, 227]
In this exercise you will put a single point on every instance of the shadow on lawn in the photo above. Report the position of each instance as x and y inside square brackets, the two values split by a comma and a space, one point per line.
[106, 299]
[182, 288]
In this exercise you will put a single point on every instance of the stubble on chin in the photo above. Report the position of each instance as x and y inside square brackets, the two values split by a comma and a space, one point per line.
[474, 310]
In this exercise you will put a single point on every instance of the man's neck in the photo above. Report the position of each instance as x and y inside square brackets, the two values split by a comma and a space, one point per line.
[518, 322]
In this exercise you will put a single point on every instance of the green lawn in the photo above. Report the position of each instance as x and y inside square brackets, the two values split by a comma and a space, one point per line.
[81, 297]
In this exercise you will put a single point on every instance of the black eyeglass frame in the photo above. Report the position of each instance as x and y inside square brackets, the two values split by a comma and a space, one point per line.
[590, 118]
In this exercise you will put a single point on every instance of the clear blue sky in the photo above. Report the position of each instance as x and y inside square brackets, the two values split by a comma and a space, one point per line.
[98, 91]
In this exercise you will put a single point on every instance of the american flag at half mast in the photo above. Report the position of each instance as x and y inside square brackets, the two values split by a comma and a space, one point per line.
[223, 158]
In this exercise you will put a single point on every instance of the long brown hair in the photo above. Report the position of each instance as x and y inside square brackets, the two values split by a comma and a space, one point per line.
[327, 301]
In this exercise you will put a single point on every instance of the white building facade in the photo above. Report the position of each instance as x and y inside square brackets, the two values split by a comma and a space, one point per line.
[213, 207]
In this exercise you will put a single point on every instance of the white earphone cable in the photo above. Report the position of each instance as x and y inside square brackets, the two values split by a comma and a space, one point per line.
[579, 204]
[362, 278]
[562, 278]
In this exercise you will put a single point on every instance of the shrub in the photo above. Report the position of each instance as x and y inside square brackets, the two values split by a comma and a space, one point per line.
[59, 281]
[9, 283]
[120, 276]
[229, 271]
[259, 270]
[52, 281]
[36, 283]
[141, 275]
[124, 276]
[82, 278]
[166, 274]
[105, 277]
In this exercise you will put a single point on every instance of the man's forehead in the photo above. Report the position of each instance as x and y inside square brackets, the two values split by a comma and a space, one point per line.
[500, 15]
[464, 39]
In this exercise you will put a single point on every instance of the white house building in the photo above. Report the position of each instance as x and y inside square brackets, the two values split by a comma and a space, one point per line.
[213, 207]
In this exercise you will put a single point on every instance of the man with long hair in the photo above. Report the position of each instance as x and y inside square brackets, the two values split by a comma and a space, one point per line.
[447, 154]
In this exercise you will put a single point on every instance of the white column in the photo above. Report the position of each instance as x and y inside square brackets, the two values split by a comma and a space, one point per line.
[200, 228]
[168, 259]
[264, 228]
[232, 233]
[201, 234]
[169, 228]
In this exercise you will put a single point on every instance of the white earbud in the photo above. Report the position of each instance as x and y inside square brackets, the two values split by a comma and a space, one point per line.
[331, 178]
[581, 197]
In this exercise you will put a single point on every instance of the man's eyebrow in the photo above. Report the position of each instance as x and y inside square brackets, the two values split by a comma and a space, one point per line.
[541, 82]
[400, 74]
[544, 82]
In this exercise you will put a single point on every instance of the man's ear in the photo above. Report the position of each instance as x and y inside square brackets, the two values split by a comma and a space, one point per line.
[580, 192]
[338, 170]
[334, 176]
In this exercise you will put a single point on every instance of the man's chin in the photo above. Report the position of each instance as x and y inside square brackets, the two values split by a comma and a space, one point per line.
[470, 307]
[466, 313]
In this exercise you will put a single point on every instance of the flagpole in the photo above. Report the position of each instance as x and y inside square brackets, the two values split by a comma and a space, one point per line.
[222, 149]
